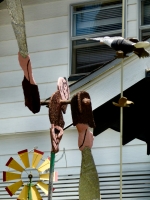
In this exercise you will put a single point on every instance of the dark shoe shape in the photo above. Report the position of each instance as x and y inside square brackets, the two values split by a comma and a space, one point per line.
[31, 95]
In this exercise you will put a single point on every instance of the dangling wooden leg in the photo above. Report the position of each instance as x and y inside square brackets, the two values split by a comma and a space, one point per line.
[16, 12]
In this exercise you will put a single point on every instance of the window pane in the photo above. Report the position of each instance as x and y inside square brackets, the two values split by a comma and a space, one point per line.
[145, 34]
[97, 18]
[89, 55]
[145, 12]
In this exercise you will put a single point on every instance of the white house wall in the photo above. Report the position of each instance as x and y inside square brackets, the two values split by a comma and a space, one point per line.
[106, 150]
[47, 25]
[132, 18]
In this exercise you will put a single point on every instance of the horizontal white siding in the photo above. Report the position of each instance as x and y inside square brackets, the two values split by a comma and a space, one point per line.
[106, 155]
[38, 59]
[42, 75]
[132, 18]
[47, 25]
[48, 49]
[39, 11]
[37, 28]
[105, 151]
[36, 44]
[47, 28]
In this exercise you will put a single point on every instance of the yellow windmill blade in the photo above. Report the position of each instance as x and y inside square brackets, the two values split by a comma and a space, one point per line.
[14, 165]
[43, 187]
[35, 193]
[8, 176]
[24, 157]
[24, 193]
[11, 189]
[46, 176]
[44, 166]
[37, 155]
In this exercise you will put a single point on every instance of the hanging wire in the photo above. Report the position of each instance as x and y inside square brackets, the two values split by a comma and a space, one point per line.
[64, 153]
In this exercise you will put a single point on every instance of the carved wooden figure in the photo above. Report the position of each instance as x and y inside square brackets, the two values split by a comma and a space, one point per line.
[82, 117]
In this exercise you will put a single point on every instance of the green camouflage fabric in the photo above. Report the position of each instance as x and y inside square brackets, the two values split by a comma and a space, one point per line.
[89, 181]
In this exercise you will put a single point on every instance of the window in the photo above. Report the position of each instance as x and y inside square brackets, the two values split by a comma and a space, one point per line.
[145, 20]
[93, 19]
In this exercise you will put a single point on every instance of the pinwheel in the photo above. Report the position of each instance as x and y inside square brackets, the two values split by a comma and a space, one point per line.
[29, 190]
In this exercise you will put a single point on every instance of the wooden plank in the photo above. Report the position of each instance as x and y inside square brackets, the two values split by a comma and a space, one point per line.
[108, 192]
[28, 2]
[132, 27]
[42, 75]
[41, 27]
[132, 12]
[36, 44]
[38, 59]
[25, 124]
[29, 144]
[17, 110]
[108, 138]
[108, 156]
[15, 94]
[131, 2]
[41, 11]
[111, 156]
[27, 141]
[104, 168]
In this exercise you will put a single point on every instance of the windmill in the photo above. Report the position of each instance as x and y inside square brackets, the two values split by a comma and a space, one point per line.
[29, 190]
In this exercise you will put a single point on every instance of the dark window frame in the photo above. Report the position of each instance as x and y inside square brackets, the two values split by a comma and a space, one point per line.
[144, 27]
[73, 74]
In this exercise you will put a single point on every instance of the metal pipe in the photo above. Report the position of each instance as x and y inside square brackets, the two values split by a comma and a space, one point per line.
[86, 101]
[51, 174]
[121, 130]
[121, 108]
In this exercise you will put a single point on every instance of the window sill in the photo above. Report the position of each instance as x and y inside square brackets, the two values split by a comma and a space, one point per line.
[75, 77]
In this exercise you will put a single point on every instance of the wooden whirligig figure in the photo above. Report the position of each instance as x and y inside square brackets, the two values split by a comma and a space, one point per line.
[30, 88]
[82, 117]
[56, 108]
[125, 45]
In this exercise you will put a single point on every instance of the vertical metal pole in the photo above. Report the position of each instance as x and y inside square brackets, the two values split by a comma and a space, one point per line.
[29, 189]
[121, 108]
[51, 175]
[121, 130]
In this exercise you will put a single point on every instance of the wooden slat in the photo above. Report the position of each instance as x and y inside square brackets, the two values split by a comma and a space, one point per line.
[18, 110]
[36, 44]
[41, 27]
[28, 2]
[41, 11]
[135, 185]
[38, 59]
[41, 75]
[15, 94]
